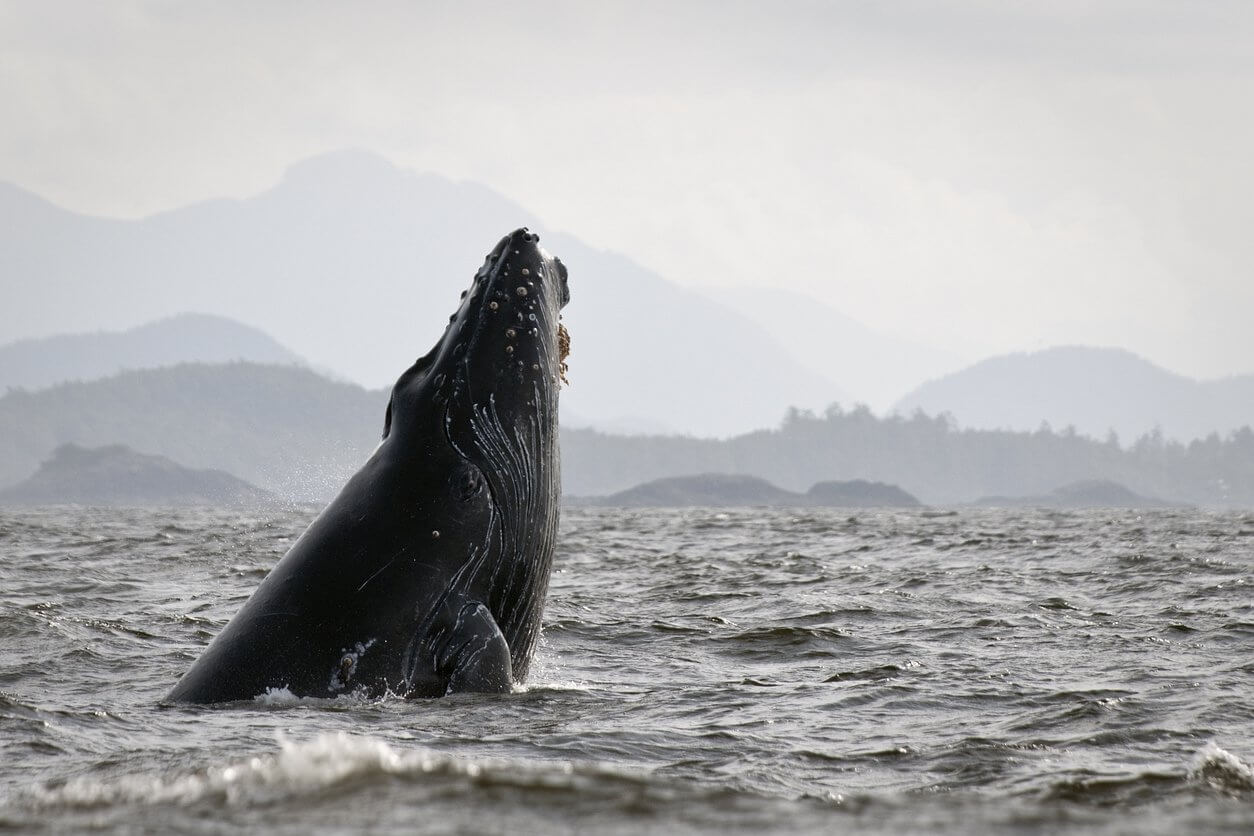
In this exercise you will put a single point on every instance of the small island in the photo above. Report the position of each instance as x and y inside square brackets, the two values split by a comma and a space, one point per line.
[722, 490]
[117, 475]
[1090, 493]
[860, 493]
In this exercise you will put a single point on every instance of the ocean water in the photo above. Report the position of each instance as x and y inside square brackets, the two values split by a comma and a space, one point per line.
[701, 671]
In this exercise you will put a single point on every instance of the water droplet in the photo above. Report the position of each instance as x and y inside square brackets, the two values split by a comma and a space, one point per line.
[526, 272]
[511, 333]
[435, 535]
[521, 291]
[509, 349]
[493, 305]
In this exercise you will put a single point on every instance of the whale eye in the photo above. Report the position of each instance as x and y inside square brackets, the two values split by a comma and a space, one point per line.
[469, 482]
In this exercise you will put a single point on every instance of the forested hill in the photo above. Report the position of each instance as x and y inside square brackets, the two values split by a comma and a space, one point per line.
[300, 435]
[283, 428]
[929, 457]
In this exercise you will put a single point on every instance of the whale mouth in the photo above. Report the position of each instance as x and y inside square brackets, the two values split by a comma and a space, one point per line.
[563, 347]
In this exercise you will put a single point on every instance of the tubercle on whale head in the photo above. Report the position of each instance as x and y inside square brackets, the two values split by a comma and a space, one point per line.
[505, 340]
[517, 336]
[506, 333]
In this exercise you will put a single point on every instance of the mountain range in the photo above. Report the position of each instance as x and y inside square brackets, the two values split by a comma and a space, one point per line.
[351, 266]
[1094, 391]
[354, 265]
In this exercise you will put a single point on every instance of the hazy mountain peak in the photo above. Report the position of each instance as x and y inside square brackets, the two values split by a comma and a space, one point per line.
[348, 166]
[1095, 390]
[182, 338]
[1076, 359]
[356, 264]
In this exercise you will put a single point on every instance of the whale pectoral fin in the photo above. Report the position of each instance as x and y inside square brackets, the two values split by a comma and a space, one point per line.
[477, 656]
[387, 419]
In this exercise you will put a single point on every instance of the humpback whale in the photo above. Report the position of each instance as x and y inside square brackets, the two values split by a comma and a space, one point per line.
[427, 574]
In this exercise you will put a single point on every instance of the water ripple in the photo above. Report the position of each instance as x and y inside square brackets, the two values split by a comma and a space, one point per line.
[700, 671]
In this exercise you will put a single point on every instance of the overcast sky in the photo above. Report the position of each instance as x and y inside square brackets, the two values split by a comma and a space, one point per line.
[980, 176]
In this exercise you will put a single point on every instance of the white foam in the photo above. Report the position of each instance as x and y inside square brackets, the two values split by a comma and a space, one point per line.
[551, 685]
[298, 768]
[1222, 769]
[284, 698]
[278, 696]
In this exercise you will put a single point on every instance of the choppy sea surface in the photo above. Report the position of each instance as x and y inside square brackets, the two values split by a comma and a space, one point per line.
[701, 671]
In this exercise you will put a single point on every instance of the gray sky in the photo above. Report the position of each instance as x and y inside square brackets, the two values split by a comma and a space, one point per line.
[979, 176]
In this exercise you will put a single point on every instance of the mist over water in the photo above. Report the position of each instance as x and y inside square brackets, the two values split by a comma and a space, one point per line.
[700, 671]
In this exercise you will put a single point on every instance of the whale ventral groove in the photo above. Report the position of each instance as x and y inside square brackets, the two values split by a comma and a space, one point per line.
[427, 573]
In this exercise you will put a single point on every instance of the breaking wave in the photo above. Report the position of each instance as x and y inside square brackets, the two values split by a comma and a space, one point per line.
[308, 768]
